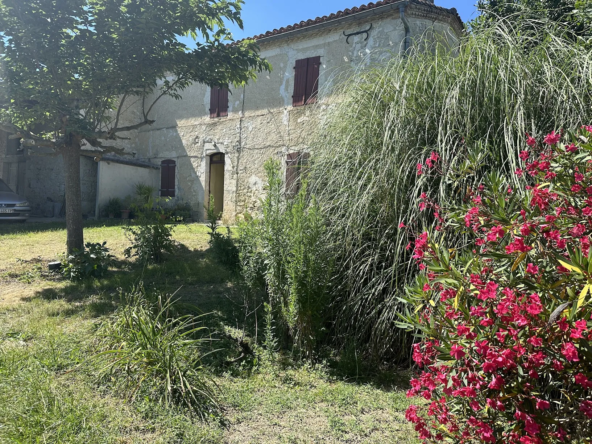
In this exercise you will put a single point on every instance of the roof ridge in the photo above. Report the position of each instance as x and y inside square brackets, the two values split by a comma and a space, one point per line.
[348, 12]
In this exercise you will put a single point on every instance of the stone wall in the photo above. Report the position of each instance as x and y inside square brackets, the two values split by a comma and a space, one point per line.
[45, 189]
[262, 123]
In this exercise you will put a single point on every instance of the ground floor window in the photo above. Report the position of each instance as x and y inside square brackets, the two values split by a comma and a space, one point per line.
[168, 169]
[296, 169]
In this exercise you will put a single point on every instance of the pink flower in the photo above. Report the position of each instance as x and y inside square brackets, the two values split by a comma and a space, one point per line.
[582, 380]
[519, 172]
[570, 352]
[532, 269]
[552, 139]
[457, 352]
[587, 128]
[535, 341]
[586, 406]
[576, 188]
[542, 405]
[497, 383]
[419, 169]
[427, 288]
[402, 225]
[578, 177]
[524, 154]
[530, 141]
[571, 148]
[531, 427]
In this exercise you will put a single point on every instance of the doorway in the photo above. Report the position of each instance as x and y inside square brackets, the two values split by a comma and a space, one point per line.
[217, 162]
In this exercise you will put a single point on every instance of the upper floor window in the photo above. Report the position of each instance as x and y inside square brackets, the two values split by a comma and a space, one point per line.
[306, 81]
[218, 102]
[168, 170]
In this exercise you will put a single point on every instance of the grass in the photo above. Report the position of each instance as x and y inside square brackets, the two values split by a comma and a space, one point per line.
[49, 386]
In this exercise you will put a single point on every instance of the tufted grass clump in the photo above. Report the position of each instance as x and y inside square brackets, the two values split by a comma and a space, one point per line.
[478, 99]
[152, 351]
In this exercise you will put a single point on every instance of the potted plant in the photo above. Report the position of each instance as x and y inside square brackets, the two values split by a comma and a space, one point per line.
[126, 208]
[112, 208]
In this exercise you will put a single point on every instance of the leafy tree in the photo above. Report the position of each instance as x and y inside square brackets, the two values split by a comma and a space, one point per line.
[72, 67]
[558, 12]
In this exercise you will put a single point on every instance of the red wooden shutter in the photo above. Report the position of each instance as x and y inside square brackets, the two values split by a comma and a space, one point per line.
[214, 102]
[312, 81]
[301, 70]
[292, 174]
[167, 178]
[223, 102]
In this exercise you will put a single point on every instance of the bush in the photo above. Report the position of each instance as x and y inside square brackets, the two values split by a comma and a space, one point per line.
[93, 261]
[284, 251]
[158, 355]
[151, 240]
[181, 212]
[505, 322]
[113, 208]
[498, 84]
[222, 245]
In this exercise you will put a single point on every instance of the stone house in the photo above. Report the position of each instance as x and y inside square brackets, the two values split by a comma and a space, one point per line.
[215, 142]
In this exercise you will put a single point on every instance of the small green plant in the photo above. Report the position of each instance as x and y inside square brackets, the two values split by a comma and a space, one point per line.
[181, 212]
[156, 354]
[113, 208]
[222, 245]
[144, 193]
[93, 261]
[151, 240]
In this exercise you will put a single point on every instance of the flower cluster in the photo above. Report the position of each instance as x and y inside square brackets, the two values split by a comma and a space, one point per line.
[507, 323]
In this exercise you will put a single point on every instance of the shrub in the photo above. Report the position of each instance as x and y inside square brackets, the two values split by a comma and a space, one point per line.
[498, 84]
[151, 240]
[285, 251]
[222, 245]
[157, 354]
[113, 207]
[181, 212]
[506, 322]
[93, 261]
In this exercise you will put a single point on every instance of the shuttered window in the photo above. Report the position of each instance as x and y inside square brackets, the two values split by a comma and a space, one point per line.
[296, 169]
[218, 102]
[168, 170]
[306, 81]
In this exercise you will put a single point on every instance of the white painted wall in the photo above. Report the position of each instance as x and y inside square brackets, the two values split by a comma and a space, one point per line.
[118, 180]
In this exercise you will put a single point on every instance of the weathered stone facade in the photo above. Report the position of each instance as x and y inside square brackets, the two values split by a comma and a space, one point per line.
[261, 122]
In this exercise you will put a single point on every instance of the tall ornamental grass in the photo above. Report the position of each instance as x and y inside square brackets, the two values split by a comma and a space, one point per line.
[483, 96]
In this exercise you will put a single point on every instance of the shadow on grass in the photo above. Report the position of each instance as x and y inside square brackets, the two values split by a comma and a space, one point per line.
[41, 227]
[192, 275]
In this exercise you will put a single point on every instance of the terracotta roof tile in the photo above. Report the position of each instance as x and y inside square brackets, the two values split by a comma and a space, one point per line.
[348, 12]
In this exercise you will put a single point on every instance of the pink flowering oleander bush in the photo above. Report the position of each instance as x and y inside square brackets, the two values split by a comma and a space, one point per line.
[505, 322]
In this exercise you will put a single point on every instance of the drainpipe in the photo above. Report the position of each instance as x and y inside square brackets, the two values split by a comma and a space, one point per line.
[402, 8]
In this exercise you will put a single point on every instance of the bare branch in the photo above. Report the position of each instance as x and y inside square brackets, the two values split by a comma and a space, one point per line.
[164, 93]
[111, 134]
[40, 143]
[119, 110]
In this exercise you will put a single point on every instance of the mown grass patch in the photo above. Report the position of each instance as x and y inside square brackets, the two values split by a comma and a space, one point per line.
[50, 389]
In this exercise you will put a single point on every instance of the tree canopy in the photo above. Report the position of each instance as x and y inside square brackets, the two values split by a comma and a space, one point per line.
[71, 67]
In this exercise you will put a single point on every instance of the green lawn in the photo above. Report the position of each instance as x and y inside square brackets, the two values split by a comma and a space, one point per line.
[49, 391]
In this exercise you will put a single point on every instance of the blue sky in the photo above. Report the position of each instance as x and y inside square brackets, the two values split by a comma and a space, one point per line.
[260, 16]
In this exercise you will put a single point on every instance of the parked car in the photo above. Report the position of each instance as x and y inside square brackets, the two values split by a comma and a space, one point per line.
[12, 206]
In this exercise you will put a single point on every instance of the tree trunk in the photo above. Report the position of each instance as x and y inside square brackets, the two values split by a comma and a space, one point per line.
[71, 156]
